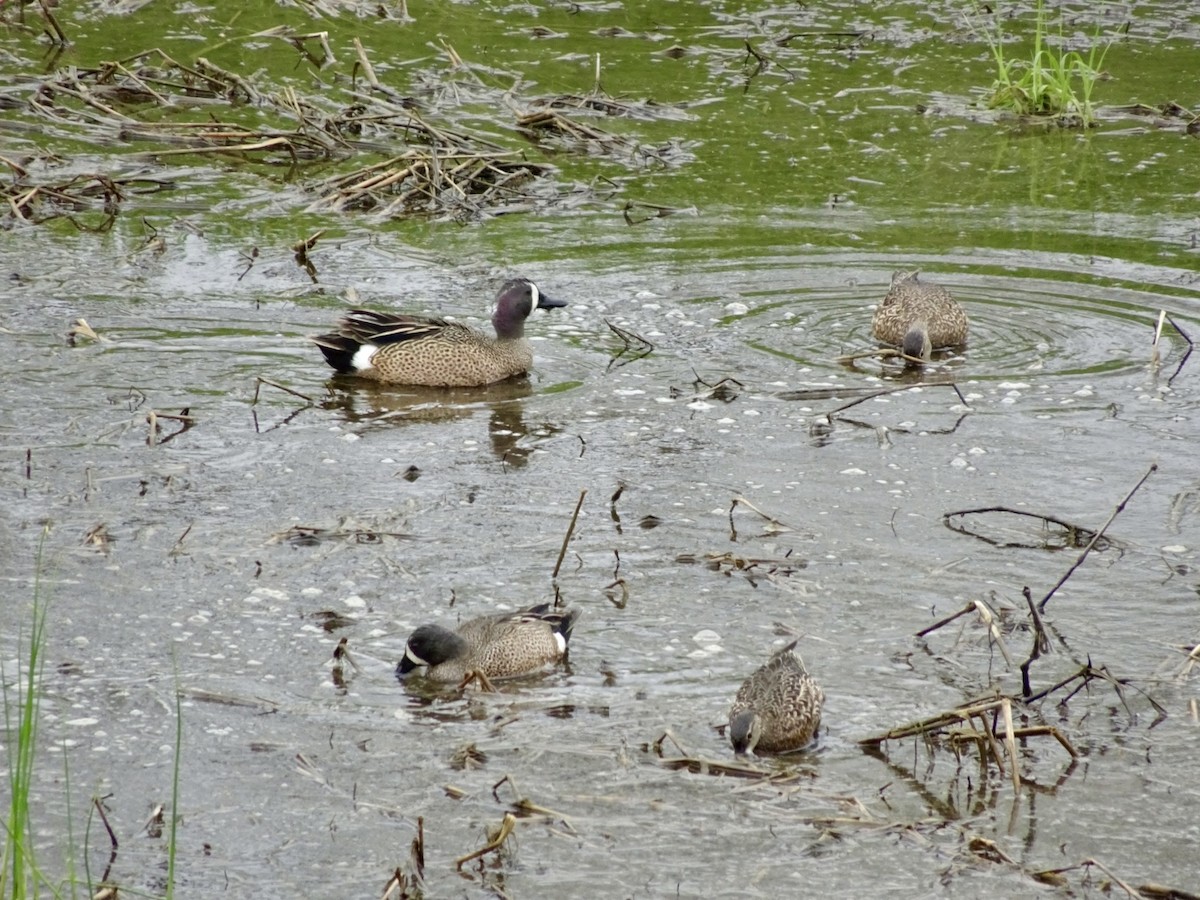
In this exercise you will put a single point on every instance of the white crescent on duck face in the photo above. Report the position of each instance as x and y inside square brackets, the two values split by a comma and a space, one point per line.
[433, 352]
[506, 645]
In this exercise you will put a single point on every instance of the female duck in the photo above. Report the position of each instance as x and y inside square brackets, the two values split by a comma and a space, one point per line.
[778, 708]
[919, 318]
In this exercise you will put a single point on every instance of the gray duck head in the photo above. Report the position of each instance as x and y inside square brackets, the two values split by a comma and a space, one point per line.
[516, 300]
[745, 728]
[916, 342]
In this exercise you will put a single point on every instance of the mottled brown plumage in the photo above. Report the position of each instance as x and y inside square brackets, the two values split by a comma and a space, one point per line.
[401, 349]
[919, 318]
[778, 708]
[498, 646]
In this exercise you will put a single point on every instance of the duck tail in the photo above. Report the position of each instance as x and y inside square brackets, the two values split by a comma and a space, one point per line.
[560, 621]
[339, 351]
[567, 622]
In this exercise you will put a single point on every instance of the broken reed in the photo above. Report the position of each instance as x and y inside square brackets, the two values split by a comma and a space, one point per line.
[443, 171]
[424, 181]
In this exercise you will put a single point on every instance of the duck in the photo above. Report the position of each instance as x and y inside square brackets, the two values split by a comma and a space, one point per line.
[919, 317]
[506, 645]
[434, 352]
[778, 708]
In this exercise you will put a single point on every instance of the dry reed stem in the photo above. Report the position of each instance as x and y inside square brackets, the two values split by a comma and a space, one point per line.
[734, 769]
[1040, 645]
[1155, 356]
[987, 615]
[1193, 657]
[19, 170]
[1048, 875]
[1010, 743]
[81, 329]
[368, 69]
[506, 829]
[939, 722]
[53, 30]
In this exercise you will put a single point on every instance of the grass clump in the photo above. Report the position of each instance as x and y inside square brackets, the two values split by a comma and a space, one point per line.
[21, 876]
[19, 873]
[1052, 82]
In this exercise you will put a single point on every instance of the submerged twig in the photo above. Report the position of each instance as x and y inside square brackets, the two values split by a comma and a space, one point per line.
[301, 250]
[1041, 643]
[774, 525]
[260, 381]
[636, 346]
[1191, 346]
[1073, 535]
[53, 29]
[686, 761]
[656, 211]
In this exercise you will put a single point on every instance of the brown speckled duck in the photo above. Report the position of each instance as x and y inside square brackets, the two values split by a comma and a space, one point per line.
[778, 708]
[919, 318]
[498, 646]
[416, 350]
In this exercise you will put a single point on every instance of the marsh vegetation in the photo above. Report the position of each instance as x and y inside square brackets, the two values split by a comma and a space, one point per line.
[987, 563]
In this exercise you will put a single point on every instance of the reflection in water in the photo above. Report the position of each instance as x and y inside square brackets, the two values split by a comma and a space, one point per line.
[512, 440]
[937, 370]
[368, 404]
[364, 402]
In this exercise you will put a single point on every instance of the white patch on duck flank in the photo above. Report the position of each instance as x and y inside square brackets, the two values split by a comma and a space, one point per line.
[561, 643]
[361, 361]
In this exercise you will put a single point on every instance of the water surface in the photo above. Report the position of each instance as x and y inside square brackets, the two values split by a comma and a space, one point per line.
[226, 560]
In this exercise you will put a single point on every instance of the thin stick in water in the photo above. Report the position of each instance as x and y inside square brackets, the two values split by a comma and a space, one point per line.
[1096, 537]
[570, 531]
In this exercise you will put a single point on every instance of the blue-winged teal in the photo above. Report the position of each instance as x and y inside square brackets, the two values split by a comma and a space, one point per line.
[500, 646]
[416, 350]
[919, 318]
[778, 708]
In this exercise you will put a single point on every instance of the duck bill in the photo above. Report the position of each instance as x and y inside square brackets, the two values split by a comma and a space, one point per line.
[545, 302]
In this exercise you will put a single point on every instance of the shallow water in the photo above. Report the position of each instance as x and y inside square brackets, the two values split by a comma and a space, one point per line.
[227, 560]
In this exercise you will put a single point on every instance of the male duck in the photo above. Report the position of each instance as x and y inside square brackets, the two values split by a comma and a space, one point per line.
[778, 708]
[498, 646]
[919, 318]
[416, 350]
